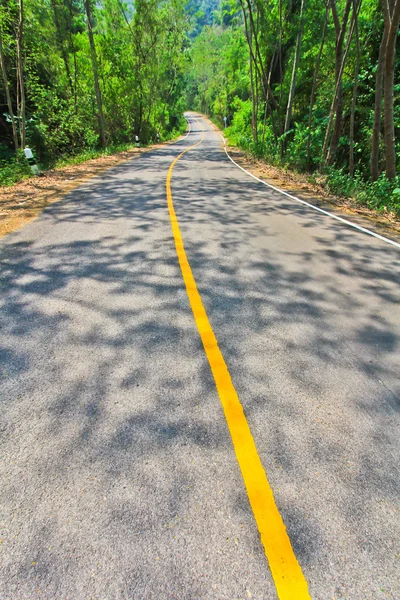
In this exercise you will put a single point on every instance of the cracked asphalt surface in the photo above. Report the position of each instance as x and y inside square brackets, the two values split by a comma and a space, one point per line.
[118, 475]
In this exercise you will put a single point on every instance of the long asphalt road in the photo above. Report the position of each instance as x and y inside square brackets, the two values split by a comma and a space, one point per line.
[128, 470]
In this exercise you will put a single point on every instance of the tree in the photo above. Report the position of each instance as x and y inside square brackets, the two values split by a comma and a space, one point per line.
[355, 91]
[295, 68]
[391, 11]
[336, 111]
[60, 41]
[376, 131]
[7, 91]
[93, 55]
[21, 101]
[315, 80]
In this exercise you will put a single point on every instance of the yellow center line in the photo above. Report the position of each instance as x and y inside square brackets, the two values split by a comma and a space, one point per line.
[288, 577]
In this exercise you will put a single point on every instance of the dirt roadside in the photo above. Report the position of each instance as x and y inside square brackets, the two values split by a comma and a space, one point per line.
[24, 201]
[386, 224]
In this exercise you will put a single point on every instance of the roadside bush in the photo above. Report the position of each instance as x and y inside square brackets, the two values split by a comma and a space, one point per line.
[296, 150]
[382, 194]
[340, 183]
[14, 169]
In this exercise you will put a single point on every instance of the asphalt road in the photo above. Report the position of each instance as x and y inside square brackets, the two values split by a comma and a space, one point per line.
[118, 477]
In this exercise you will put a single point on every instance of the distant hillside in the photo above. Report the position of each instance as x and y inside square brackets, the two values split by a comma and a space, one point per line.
[201, 13]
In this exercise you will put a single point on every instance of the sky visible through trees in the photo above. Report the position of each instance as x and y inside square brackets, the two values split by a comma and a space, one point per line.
[307, 84]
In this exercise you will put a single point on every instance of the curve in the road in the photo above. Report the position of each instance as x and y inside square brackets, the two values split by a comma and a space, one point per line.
[288, 577]
[309, 205]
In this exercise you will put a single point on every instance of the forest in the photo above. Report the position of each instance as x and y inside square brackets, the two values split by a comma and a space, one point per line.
[79, 75]
[303, 84]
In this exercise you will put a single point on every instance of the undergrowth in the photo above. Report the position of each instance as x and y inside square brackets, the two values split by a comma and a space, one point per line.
[382, 195]
[14, 169]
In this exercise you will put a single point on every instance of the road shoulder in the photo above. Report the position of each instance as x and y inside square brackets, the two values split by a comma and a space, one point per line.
[25, 201]
[385, 224]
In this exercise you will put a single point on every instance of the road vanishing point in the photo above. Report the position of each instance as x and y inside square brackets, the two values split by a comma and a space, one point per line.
[200, 392]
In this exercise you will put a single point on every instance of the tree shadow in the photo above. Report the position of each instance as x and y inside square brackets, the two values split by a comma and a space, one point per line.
[111, 427]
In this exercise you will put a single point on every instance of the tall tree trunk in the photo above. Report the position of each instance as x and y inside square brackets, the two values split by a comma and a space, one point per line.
[20, 75]
[376, 131]
[336, 110]
[314, 83]
[280, 53]
[266, 100]
[100, 116]
[72, 48]
[61, 46]
[8, 97]
[354, 100]
[253, 103]
[249, 39]
[338, 96]
[258, 62]
[295, 68]
[390, 143]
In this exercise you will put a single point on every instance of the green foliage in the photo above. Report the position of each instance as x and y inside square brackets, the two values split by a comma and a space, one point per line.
[220, 83]
[382, 194]
[140, 51]
[13, 169]
[340, 183]
[217, 71]
[201, 13]
[296, 150]
[156, 58]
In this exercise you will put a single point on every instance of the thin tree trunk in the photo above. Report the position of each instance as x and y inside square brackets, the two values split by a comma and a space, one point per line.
[266, 100]
[336, 110]
[314, 83]
[264, 122]
[20, 75]
[8, 97]
[100, 116]
[256, 96]
[253, 103]
[60, 44]
[280, 53]
[73, 49]
[274, 129]
[338, 95]
[249, 39]
[376, 131]
[390, 142]
[354, 101]
[260, 66]
[295, 69]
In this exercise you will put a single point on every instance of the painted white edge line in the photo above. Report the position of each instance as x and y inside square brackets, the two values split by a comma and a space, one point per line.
[320, 210]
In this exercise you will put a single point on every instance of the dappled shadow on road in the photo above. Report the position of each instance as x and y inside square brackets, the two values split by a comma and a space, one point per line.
[108, 401]
[306, 311]
[105, 399]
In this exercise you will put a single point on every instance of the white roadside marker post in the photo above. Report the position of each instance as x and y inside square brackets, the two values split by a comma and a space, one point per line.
[32, 162]
[137, 141]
